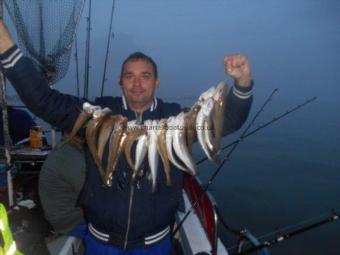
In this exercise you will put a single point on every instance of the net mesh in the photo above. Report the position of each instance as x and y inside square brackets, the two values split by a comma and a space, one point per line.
[46, 30]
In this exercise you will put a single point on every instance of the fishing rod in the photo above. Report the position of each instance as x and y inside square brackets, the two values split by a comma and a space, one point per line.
[205, 188]
[263, 126]
[234, 144]
[107, 48]
[41, 30]
[77, 64]
[332, 216]
[243, 234]
[87, 54]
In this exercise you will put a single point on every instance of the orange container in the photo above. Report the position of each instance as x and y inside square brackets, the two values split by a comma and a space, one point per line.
[36, 137]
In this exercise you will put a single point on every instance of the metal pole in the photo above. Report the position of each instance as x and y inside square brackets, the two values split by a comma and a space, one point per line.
[7, 138]
[107, 48]
[77, 64]
[87, 54]
[53, 131]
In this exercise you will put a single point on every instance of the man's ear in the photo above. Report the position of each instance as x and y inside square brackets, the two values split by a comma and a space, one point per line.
[158, 81]
[120, 81]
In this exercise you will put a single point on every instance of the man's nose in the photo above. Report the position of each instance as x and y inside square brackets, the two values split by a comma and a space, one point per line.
[137, 81]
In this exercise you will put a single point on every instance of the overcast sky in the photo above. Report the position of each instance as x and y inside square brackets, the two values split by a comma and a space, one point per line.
[292, 45]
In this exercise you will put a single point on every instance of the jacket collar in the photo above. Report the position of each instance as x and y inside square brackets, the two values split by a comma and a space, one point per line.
[152, 108]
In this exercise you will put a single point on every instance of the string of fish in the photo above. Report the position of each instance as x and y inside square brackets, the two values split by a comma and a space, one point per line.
[170, 138]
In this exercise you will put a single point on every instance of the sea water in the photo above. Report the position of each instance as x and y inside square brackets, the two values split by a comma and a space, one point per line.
[284, 175]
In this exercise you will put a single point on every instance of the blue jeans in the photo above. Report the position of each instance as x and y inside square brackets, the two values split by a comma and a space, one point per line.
[94, 247]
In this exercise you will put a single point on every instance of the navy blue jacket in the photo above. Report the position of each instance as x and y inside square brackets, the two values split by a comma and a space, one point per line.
[106, 208]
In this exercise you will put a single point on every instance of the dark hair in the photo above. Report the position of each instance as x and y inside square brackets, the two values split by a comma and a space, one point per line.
[139, 56]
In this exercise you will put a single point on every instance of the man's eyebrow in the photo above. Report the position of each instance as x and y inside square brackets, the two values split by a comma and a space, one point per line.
[127, 72]
[130, 72]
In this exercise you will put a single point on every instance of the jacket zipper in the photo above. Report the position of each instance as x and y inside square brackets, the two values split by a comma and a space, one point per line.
[139, 118]
[129, 216]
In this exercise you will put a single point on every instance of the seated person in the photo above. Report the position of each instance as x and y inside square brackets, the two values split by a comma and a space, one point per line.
[61, 179]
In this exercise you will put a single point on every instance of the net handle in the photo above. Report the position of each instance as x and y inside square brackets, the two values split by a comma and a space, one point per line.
[1, 9]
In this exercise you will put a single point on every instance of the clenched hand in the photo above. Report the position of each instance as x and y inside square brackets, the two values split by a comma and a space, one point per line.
[238, 67]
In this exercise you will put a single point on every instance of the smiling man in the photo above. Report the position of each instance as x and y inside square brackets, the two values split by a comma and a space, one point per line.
[115, 227]
[139, 80]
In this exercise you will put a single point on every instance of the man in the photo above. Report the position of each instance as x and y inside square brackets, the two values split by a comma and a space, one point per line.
[119, 221]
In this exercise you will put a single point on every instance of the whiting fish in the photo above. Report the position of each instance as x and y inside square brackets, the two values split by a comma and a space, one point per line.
[179, 144]
[116, 145]
[202, 129]
[141, 150]
[91, 136]
[171, 125]
[210, 140]
[190, 124]
[104, 134]
[82, 119]
[133, 132]
[207, 94]
[161, 146]
[153, 157]
[219, 97]
[207, 132]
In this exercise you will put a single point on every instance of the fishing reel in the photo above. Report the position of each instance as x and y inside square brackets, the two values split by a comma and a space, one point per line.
[248, 239]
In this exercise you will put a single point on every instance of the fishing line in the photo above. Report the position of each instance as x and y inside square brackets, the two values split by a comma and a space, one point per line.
[234, 144]
[205, 188]
[107, 48]
[225, 225]
[263, 126]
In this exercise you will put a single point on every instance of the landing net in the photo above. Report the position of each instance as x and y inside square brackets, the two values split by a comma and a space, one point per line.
[46, 30]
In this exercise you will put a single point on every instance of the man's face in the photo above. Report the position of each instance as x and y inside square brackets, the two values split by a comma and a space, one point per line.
[139, 83]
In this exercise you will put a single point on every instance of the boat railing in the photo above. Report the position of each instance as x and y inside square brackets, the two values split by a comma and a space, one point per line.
[205, 208]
